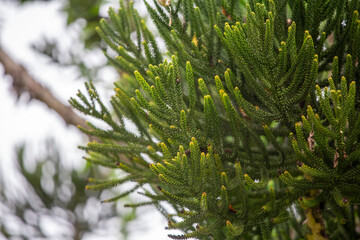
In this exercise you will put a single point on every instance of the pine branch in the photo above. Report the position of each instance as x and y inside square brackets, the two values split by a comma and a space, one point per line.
[215, 119]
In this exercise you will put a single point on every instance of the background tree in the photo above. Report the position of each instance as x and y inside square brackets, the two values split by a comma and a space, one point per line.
[53, 194]
[248, 125]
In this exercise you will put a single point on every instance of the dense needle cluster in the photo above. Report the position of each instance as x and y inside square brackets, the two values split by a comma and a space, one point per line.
[248, 125]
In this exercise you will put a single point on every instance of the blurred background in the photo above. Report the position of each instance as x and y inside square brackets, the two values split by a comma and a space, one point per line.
[48, 49]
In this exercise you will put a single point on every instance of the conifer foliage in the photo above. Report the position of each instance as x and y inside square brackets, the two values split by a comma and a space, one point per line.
[248, 125]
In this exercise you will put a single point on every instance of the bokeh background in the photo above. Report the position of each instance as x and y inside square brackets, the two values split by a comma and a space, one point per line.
[42, 173]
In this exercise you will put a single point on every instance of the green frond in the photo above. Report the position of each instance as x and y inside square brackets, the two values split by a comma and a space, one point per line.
[234, 230]
[339, 199]
[252, 183]
[262, 71]
[192, 204]
[203, 202]
[191, 87]
[114, 199]
[109, 184]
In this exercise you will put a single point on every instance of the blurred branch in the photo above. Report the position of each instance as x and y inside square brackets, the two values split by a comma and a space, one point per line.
[23, 82]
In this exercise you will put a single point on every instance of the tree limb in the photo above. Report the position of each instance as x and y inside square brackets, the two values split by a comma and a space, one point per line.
[23, 82]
